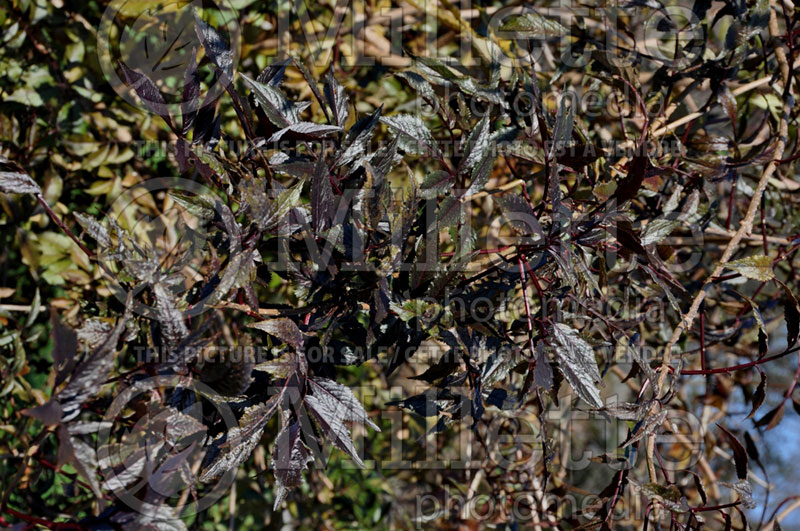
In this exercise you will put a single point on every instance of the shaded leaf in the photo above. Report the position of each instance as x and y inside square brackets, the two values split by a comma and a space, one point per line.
[562, 130]
[322, 198]
[451, 212]
[48, 414]
[628, 187]
[358, 137]
[65, 348]
[89, 375]
[750, 446]
[191, 93]
[424, 404]
[519, 213]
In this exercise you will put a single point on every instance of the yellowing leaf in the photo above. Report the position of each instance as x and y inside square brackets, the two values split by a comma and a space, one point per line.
[757, 267]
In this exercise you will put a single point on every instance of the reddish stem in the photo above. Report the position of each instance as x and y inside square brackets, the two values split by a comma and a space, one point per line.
[62, 226]
[40, 521]
[721, 370]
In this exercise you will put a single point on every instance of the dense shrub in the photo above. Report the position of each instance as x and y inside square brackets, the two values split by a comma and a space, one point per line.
[492, 246]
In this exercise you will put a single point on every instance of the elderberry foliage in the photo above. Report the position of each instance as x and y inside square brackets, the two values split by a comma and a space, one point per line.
[458, 247]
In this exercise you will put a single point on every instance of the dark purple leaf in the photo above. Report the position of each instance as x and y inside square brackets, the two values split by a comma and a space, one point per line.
[306, 129]
[191, 93]
[147, 91]
[274, 103]
[282, 328]
[65, 348]
[517, 210]
[170, 318]
[12, 182]
[358, 137]
[436, 183]
[290, 457]
[90, 374]
[241, 440]
[792, 316]
[760, 394]
[628, 187]
[750, 446]
[337, 99]
[772, 418]
[273, 74]
[739, 453]
[217, 50]
[48, 414]
[331, 405]
[577, 361]
[322, 199]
